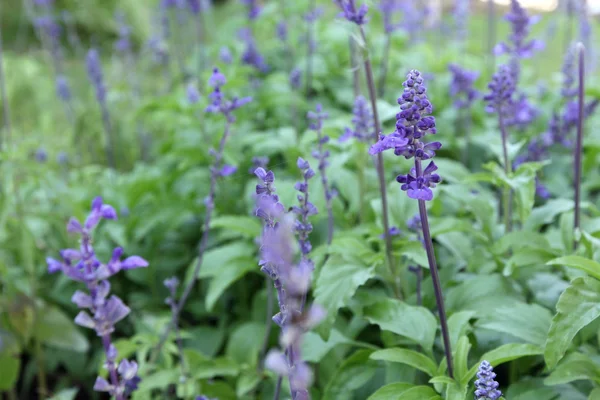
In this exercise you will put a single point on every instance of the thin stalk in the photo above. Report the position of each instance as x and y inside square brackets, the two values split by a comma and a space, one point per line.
[465, 127]
[112, 370]
[309, 49]
[4, 137]
[200, 37]
[41, 369]
[362, 164]
[108, 129]
[384, 64]
[203, 243]
[268, 326]
[491, 36]
[355, 67]
[379, 163]
[569, 28]
[435, 277]
[327, 191]
[506, 196]
[579, 143]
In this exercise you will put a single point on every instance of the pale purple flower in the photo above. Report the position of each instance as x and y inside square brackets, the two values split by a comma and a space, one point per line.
[362, 120]
[486, 387]
[351, 12]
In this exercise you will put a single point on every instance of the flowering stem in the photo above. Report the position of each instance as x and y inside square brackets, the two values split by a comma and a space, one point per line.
[491, 34]
[579, 143]
[110, 365]
[110, 155]
[326, 190]
[506, 197]
[435, 277]
[379, 164]
[5, 109]
[309, 47]
[268, 326]
[200, 37]
[41, 370]
[384, 65]
[355, 68]
[203, 243]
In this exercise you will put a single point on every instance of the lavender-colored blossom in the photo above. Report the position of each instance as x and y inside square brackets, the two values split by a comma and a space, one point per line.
[123, 43]
[351, 12]
[258, 162]
[47, 25]
[486, 388]
[569, 87]
[105, 311]
[413, 122]
[192, 94]
[313, 15]
[218, 103]
[195, 6]
[388, 10]
[521, 22]
[393, 231]
[295, 78]
[62, 88]
[502, 89]
[251, 56]
[282, 31]
[254, 9]
[461, 87]
[225, 55]
[461, 18]
[94, 70]
[306, 209]
[362, 120]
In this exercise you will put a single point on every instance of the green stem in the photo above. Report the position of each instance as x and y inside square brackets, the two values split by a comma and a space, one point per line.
[362, 152]
[507, 170]
[41, 370]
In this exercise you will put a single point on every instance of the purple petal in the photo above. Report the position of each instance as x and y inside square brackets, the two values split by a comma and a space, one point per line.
[276, 362]
[84, 319]
[82, 300]
[53, 265]
[74, 226]
[134, 262]
[228, 170]
[108, 212]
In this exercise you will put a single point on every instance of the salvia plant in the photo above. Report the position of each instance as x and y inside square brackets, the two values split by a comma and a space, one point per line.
[304, 234]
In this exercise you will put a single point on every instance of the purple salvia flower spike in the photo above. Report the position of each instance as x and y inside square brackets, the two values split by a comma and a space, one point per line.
[486, 387]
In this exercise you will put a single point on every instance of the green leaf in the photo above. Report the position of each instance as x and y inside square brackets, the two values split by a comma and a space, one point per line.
[353, 373]
[420, 393]
[159, 380]
[245, 343]
[65, 394]
[209, 369]
[415, 323]
[595, 394]
[577, 307]
[529, 322]
[586, 265]
[314, 348]
[216, 258]
[337, 283]
[247, 382]
[54, 328]
[461, 355]
[248, 227]
[481, 294]
[506, 353]
[443, 379]
[547, 213]
[228, 274]
[415, 251]
[458, 325]
[391, 391]
[408, 357]
[576, 366]
[10, 364]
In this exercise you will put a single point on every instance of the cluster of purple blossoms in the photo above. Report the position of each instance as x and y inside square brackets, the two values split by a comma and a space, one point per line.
[316, 119]
[282, 31]
[351, 12]
[461, 87]
[192, 94]
[362, 120]
[295, 78]
[218, 103]
[82, 265]
[486, 388]
[521, 22]
[123, 43]
[94, 71]
[306, 209]
[313, 14]
[195, 6]
[388, 10]
[461, 18]
[225, 55]
[254, 9]
[413, 122]
[251, 56]
[500, 99]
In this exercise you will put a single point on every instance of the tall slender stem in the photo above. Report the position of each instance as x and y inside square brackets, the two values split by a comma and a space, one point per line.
[203, 243]
[355, 67]
[4, 137]
[112, 370]
[491, 35]
[384, 64]
[41, 369]
[379, 162]
[309, 48]
[579, 143]
[268, 326]
[507, 169]
[435, 277]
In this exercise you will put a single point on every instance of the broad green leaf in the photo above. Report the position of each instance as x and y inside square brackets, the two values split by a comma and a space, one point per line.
[528, 322]
[248, 227]
[54, 328]
[245, 343]
[314, 348]
[420, 393]
[591, 267]
[576, 366]
[519, 239]
[595, 394]
[458, 325]
[461, 356]
[408, 357]
[353, 373]
[547, 213]
[415, 251]
[159, 380]
[391, 391]
[65, 394]
[506, 353]
[228, 274]
[10, 365]
[577, 307]
[456, 391]
[443, 379]
[337, 283]
[247, 382]
[481, 294]
[412, 322]
[215, 259]
[213, 368]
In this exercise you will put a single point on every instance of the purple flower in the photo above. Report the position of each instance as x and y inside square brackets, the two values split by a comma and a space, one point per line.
[362, 121]
[521, 24]
[94, 70]
[192, 94]
[351, 13]
[502, 88]
[62, 88]
[103, 311]
[313, 15]
[218, 102]
[253, 8]
[225, 55]
[295, 78]
[461, 18]
[41, 155]
[393, 231]
[251, 55]
[123, 44]
[461, 87]
[195, 6]
[258, 162]
[282, 31]
[302, 226]
[417, 186]
[388, 8]
[486, 388]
